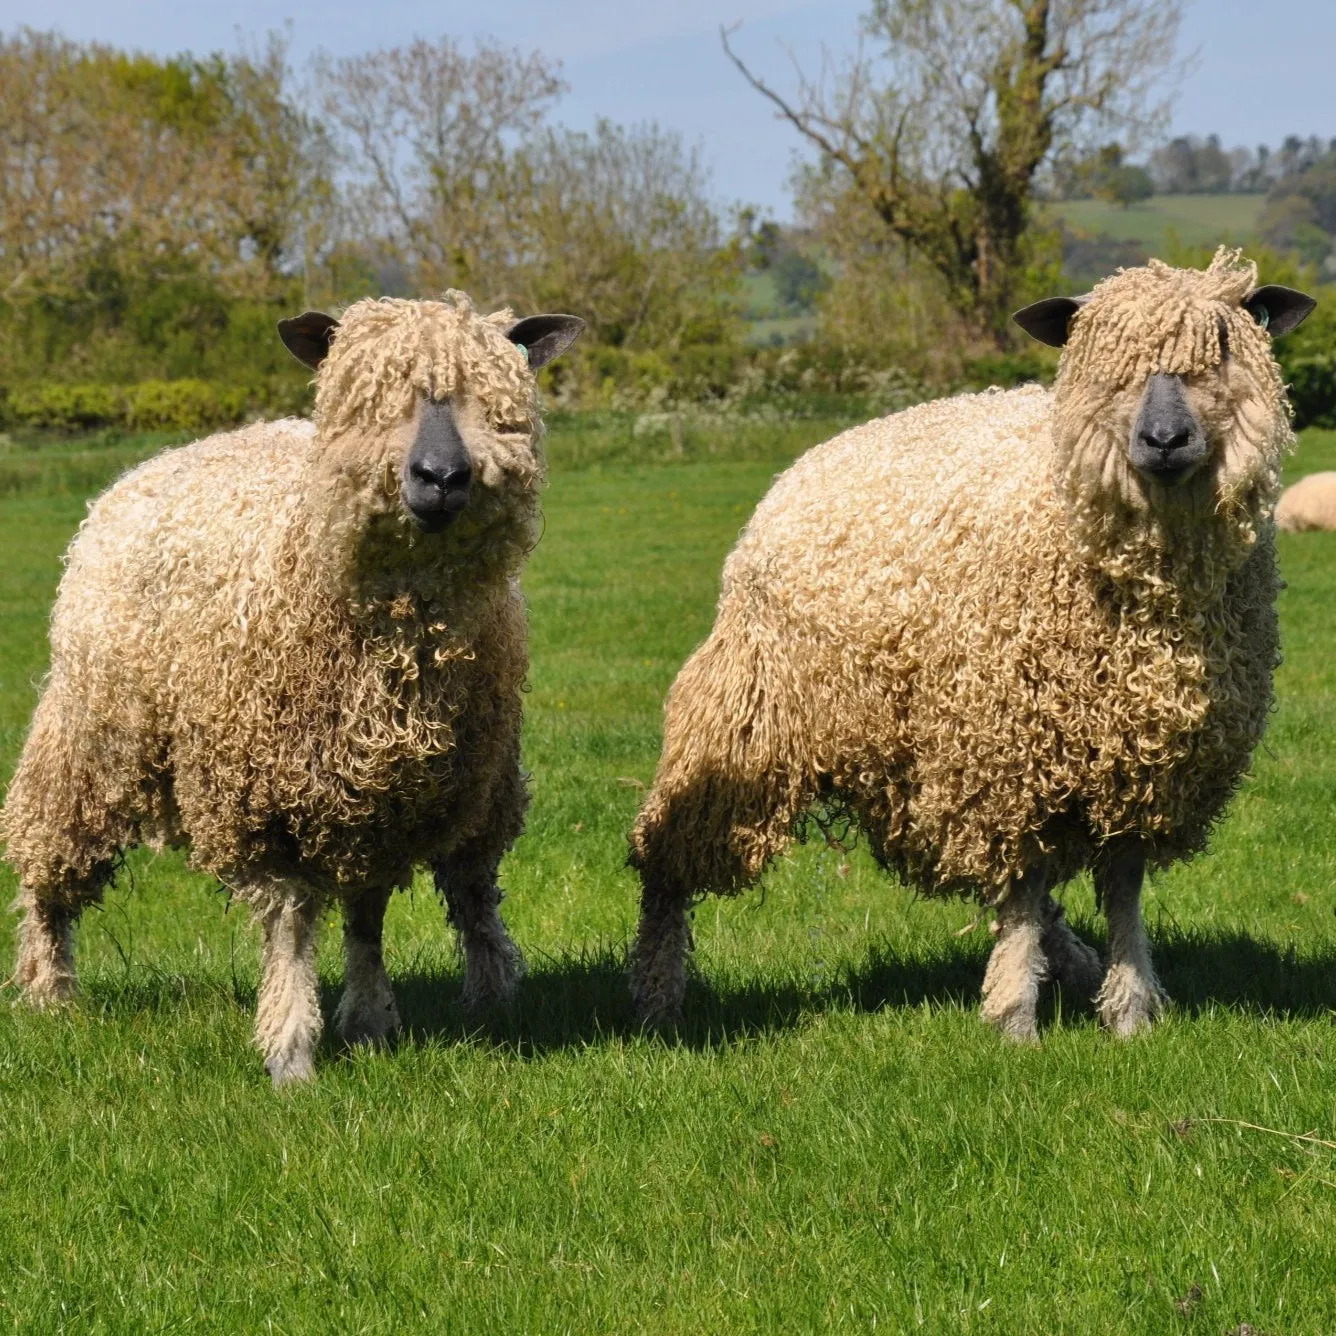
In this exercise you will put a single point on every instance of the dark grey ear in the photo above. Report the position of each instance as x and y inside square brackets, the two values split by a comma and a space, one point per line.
[307, 336]
[1278, 310]
[1049, 320]
[544, 337]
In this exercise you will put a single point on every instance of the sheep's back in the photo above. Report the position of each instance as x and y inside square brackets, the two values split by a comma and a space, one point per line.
[881, 517]
[1309, 504]
[189, 529]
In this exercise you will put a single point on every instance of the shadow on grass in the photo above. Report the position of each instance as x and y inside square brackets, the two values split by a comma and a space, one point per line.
[581, 999]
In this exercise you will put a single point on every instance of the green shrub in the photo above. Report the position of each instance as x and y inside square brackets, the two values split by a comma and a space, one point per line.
[151, 405]
[1308, 361]
[65, 407]
[1007, 369]
[182, 405]
[1312, 382]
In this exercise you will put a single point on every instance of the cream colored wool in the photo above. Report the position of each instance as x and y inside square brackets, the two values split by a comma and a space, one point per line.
[1309, 504]
[256, 654]
[389, 352]
[974, 625]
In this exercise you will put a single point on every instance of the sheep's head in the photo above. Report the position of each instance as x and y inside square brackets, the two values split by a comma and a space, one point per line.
[426, 410]
[1169, 409]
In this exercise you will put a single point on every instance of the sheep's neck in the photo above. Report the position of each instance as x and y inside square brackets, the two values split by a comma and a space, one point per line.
[383, 564]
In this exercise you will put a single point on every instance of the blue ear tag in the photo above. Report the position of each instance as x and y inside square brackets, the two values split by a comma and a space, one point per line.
[1263, 316]
[524, 350]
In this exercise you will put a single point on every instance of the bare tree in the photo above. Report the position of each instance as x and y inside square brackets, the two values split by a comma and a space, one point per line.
[430, 134]
[454, 175]
[619, 222]
[949, 108]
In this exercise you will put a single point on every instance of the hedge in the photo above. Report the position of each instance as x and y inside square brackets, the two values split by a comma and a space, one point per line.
[149, 405]
[601, 377]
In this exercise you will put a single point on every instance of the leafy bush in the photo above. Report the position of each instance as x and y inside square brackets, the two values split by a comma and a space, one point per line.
[1308, 361]
[1007, 369]
[723, 377]
[150, 405]
[1312, 382]
[182, 405]
[65, 407]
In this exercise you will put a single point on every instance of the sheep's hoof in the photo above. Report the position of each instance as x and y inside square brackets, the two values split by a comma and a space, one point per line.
[1129, 1003]
[46, 991]
[1070, 961]
[290, 1069]
[492, 975]
[658, 1002]
[659, 1015]
[1018, 1025]
[367, 1020]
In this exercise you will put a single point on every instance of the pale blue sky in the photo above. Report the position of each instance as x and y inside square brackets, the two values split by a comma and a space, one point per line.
[1265, 70]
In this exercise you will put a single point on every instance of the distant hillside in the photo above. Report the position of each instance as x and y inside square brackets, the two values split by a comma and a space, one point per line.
[770, 322]
[1197, 219]
[1098, 237]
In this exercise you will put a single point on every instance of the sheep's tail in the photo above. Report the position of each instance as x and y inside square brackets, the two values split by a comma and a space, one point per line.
[733, 778]
[63, 831]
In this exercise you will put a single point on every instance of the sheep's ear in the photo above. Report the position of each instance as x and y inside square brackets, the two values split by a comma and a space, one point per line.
[544, 337]
[307, 336]
[1049, 320]
[1278, 310]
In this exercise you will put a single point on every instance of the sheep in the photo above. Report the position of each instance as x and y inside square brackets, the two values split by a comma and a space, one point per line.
[1015, 635]
[1309, 504]
[298, 650]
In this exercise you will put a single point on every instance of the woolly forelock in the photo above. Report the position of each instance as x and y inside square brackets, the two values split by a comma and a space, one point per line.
[387, 352]
[1189, 323]
[1160, 319]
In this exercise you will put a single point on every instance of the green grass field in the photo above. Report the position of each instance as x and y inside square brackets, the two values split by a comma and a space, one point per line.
[835, 1143]
[1195, 220]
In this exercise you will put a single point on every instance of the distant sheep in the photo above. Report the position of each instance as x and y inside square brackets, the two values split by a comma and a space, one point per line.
[1014, 634]
[299, 649]
[1309, 504]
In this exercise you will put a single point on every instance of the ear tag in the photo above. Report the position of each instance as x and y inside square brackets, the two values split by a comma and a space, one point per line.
[1263, 316]
[524, 350]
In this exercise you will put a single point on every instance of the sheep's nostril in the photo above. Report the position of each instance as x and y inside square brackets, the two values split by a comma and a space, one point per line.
[426, 474]
[444, 480]
[1166, 439]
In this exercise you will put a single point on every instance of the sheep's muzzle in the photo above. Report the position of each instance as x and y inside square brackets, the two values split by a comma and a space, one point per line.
[1167, 441]
[438, 471]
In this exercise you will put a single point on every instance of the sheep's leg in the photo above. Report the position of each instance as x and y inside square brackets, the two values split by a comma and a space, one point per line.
[1131, 997]
[493, 965]
[45, 965]
[1017, 966]
[658, 960]
[65, 836]
[287, 1017]
[1074, 964]
[367, 1013]
[732, 780]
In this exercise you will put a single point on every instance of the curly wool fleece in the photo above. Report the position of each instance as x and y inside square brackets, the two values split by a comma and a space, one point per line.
[254, 651]
[974, 625]
[388, 352]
